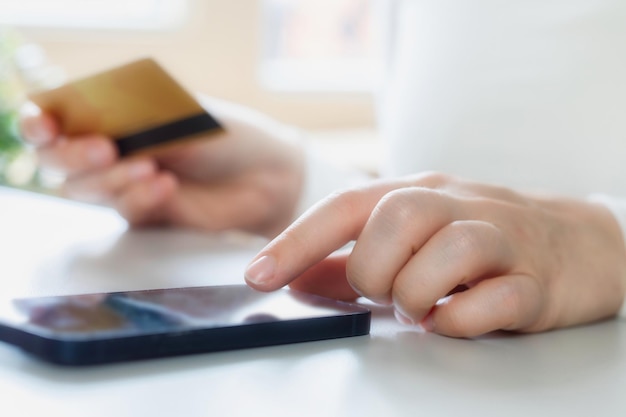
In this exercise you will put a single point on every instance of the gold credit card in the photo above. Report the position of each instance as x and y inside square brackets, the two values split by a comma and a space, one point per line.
[138, 105]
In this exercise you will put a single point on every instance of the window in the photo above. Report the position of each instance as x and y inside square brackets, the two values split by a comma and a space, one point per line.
[319, 45]
[93, 14]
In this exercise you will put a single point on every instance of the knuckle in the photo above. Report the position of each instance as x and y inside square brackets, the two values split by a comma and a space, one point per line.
[506, 194]
[472, 237]
[401, 207]
[398, 198]
[467, 236]
[397, 207]
[433, 179]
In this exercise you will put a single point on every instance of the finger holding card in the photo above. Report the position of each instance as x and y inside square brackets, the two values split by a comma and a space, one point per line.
[69, 157]
[133, 139]
[81, 130]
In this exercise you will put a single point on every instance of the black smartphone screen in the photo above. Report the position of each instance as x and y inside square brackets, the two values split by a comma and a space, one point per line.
[110, 327]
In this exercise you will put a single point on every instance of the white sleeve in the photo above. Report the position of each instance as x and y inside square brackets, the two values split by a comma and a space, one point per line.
[618, 208]
[322, 177]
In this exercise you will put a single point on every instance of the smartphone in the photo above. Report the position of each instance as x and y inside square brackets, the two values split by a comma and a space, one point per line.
[91, 329]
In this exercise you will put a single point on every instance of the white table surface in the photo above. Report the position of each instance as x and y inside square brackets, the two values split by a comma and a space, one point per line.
[50, 246]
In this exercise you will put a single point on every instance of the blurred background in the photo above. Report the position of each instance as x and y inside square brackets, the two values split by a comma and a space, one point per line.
[315, 64]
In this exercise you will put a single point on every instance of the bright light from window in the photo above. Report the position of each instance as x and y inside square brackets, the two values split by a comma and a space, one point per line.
[319, 45]
[93, 14]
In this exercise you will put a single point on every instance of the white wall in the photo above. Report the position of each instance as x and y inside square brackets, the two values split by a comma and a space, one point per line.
[215, 52]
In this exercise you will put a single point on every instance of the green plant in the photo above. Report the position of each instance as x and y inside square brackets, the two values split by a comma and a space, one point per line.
[11, 146]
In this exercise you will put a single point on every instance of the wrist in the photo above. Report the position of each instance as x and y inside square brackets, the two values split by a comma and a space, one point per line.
[616, 211]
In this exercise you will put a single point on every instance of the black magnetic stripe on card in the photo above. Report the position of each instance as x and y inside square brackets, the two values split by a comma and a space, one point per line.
[166, 133]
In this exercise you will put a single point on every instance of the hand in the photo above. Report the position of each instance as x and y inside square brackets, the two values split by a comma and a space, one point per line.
[459, 258]
[247, 177]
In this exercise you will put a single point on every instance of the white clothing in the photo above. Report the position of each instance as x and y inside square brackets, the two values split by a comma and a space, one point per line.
[527, 94]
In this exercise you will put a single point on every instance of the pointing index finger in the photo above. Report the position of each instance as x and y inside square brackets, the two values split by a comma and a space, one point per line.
[326, 227]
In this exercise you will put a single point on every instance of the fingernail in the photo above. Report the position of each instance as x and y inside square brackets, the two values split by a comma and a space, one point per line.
[403, 318]
[262, 270]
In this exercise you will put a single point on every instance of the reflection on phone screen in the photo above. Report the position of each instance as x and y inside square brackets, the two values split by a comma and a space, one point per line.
[168, 309]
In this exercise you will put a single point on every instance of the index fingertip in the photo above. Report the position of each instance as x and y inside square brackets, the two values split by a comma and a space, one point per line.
[260, 272]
